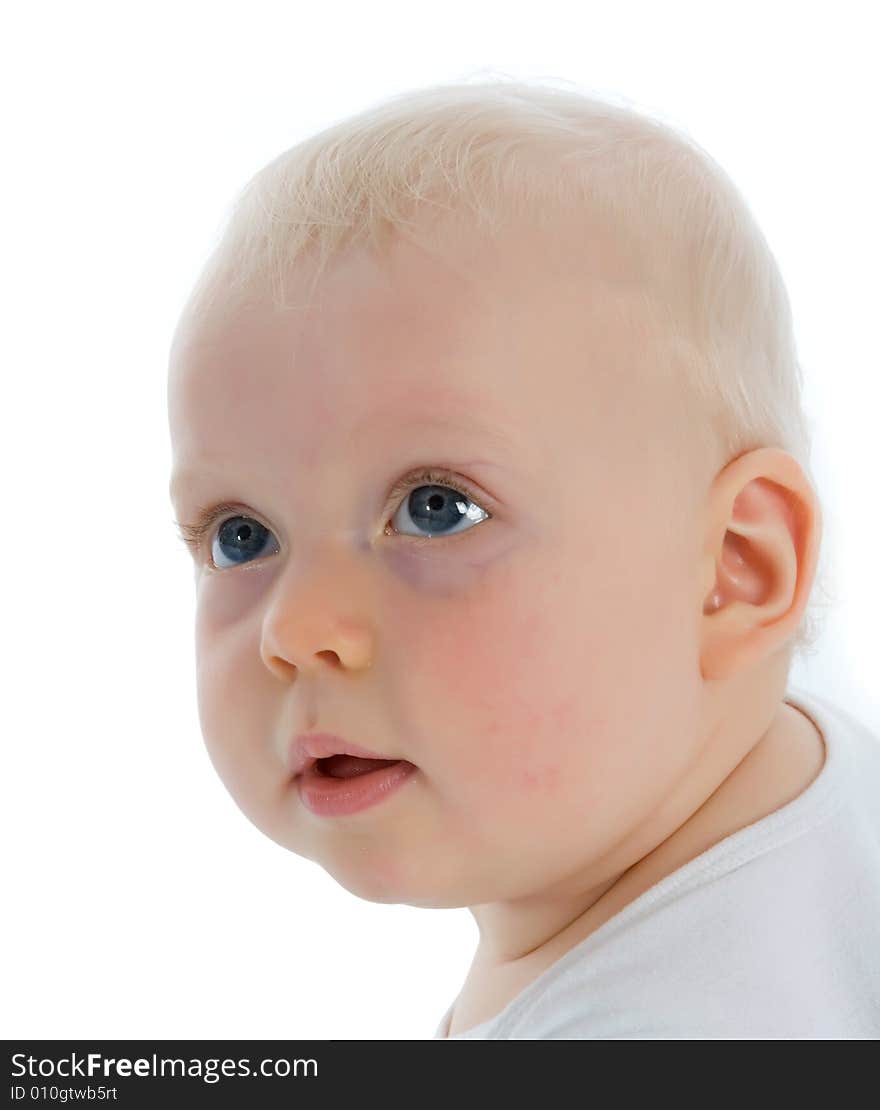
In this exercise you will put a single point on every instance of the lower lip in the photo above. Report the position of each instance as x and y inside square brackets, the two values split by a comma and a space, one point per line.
[329, 797]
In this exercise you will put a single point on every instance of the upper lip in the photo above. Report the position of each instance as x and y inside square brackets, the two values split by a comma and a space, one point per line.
[309, 747]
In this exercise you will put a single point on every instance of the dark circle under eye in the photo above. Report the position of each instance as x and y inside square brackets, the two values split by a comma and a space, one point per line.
[438, 509]
[239, 538]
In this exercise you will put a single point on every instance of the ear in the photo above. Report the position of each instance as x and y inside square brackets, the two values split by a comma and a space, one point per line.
[761, 548]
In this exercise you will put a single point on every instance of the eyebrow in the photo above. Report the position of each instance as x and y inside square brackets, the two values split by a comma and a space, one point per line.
[500, 438]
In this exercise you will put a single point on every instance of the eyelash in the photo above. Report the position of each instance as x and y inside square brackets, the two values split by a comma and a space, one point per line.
[193, 535]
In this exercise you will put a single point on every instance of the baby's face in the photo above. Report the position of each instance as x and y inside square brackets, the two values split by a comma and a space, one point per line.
[537, 661]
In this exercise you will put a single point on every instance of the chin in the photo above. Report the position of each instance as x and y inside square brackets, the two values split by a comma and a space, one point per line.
[388, 883]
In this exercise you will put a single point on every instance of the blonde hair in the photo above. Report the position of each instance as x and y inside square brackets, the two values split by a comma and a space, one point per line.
[509, 148]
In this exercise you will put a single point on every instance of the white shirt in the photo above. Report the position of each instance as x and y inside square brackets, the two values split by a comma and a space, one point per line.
[773, 933]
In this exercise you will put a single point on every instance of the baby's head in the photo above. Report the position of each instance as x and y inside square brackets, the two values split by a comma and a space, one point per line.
[510, 483]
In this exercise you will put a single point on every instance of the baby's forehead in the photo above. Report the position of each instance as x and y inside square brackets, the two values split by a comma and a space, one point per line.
[442, 308]
[500, 337]
[384, 363]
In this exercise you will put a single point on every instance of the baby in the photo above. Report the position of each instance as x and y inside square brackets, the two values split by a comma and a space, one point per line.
[489, 452]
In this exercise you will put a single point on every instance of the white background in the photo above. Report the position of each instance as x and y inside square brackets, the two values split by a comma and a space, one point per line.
[139, 901]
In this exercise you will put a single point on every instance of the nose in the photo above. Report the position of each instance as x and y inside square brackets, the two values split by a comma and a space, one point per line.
[312, 623]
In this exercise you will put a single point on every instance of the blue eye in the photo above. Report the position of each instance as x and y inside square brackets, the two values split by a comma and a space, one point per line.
[440, 509]
[435, 500]
[243, 537]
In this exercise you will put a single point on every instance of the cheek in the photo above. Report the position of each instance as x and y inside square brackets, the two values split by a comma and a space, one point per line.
[229, 679]
[219, 702]
[485, 697]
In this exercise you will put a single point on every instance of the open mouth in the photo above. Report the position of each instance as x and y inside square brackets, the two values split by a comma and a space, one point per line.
[341, 785]
[350, 766]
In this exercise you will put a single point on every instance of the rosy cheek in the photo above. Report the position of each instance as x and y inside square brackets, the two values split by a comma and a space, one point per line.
[540, 780]
[557, 733]
[468, 641]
